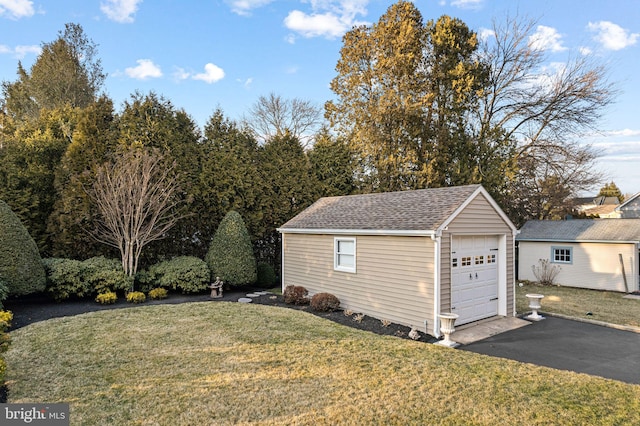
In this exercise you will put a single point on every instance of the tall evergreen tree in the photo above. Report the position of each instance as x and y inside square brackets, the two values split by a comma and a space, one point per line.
[289, 188]
[228, 177]
[332, 166]
[94, 142]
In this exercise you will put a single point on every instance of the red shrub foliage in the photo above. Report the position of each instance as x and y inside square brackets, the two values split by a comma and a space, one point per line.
[295, 295]
[324, 302]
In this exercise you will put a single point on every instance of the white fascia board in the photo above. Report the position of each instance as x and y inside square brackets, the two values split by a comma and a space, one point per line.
[550, 240]
[402, 233]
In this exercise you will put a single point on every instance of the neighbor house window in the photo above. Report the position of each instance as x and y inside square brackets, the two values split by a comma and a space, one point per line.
[561, 255]
[344, 254]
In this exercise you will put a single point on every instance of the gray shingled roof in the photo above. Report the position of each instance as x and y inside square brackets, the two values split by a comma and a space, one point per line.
[419, 210]
[581, 230]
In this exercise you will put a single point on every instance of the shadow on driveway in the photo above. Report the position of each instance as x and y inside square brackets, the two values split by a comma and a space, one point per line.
[569, 345]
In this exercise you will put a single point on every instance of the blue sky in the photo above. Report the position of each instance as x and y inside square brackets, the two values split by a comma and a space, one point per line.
[204, 54]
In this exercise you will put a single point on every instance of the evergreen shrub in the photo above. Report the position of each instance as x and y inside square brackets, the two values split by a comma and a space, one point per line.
[103, 275]
[230, 255]
[21, 268]
[188, 274]
[266, 275]
[64, 278]
[73, 278]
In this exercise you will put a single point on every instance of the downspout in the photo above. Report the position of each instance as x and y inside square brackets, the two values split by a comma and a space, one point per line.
[282, 261]
[436, 237]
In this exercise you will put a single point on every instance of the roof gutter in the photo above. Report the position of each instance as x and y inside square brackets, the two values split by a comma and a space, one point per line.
[393, 232]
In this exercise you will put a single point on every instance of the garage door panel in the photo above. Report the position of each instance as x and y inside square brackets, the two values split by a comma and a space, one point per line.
[474, 278]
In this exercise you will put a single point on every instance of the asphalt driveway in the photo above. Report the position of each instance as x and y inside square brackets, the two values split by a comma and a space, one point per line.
[568, 345]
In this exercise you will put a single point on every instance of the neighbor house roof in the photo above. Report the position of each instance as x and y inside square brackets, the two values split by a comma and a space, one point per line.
[605, 230]
[418, 210]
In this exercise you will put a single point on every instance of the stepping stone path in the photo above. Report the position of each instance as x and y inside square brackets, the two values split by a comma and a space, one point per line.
[250, 296]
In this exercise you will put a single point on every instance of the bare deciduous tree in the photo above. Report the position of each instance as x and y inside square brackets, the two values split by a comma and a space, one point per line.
[274, 116]
[136, 196]
[545, 108]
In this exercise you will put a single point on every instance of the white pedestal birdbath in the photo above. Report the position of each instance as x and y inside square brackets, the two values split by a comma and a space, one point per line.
[534, 305]
[447, 321]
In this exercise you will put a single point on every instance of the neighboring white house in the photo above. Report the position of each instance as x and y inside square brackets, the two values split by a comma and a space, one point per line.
[406, 256]
[630, 209]
[598, 254]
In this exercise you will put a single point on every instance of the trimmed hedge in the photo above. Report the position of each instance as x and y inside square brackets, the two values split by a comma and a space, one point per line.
[73, 278]
[230, 255]
[188, 274]
[21, 270]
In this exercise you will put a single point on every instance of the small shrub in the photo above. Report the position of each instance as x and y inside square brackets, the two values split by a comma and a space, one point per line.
[385, 323]
[65, 278]
[266, 275]
[136, 297]
[188, 274]
[545, 272]
[295, 295]
[358, 318]
[103, 275]
[107, 298]
[158, 293]
[325, 302]
[347, 312]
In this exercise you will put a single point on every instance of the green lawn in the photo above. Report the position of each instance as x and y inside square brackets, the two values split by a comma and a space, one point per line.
[232, 363]
[606, 306]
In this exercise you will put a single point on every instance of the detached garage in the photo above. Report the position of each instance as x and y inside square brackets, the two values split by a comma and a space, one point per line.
[406, 256]
[600, 254]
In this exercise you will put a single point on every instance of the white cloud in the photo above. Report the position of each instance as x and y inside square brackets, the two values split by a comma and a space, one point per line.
[120, 10]
[181, 74]
[20, 51]
[329, 18]
[16, 9]
[326, 24]
[612, 36]
[244, 7]
[145, 69]
[467, 4]
[624, 132]
[546, 38]
[485, 34]
[585, 51]
[212, 73]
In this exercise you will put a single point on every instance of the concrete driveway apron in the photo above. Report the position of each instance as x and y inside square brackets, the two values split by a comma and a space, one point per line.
[568, 345]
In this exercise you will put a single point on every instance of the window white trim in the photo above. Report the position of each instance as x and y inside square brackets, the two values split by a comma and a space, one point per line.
[344, 255]
[562, 254]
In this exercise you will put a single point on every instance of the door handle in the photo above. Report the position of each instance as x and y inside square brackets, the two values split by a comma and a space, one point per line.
[476, 275]
[470, 276]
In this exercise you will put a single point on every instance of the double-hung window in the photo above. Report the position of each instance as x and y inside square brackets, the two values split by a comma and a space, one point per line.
[344, 258]
[561, 255]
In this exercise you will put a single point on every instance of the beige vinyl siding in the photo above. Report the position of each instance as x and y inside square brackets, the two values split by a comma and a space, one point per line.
[594, 265]
[478, 218]
[393, 279]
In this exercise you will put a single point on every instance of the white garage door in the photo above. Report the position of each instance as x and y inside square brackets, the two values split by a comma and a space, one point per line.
[474, 277]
